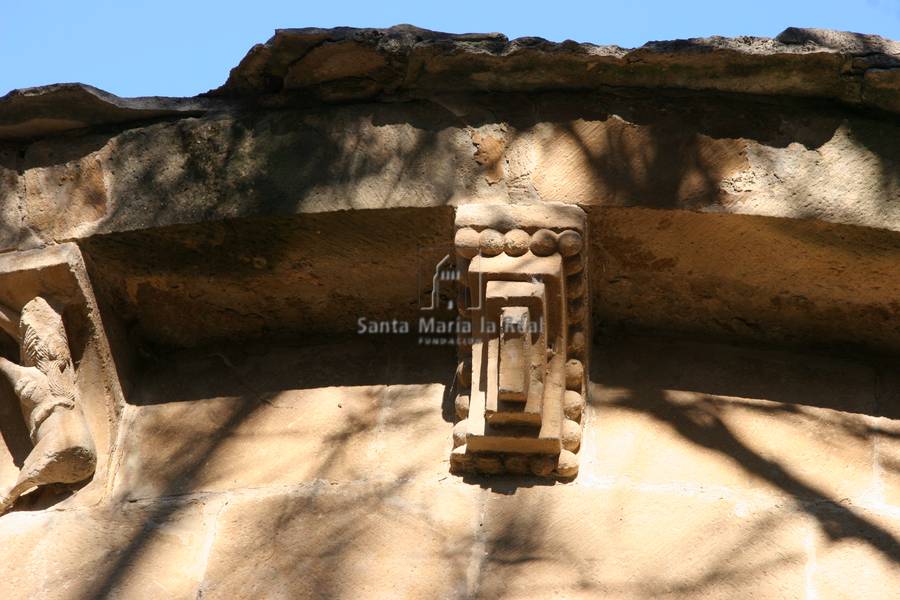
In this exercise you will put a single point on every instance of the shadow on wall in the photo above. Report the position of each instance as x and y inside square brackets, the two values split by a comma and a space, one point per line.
[13, 431]
[854, 179]
[701, 424]
[679, 431]
[524, 537]
[245, 164]
[632, 148]
[659, 150]
[254, 382]
[192, 285]
[699, 392]
[689, 391]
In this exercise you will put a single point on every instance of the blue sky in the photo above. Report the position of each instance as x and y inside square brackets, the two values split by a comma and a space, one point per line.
[138, 48]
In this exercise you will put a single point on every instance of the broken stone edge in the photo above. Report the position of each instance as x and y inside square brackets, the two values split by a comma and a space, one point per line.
[347, 64]
[56, 109]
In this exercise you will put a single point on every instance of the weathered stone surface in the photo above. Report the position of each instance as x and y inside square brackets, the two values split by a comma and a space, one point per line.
[54, 109]
[141, 552]
[67, 178]
[346, 63]
[735, 156]
[658, 265]
[623, 542]
[614, 162]
[12, 232]
[670, 413]
[393, 540]
[851, 178]
[351, 64]
[881, 87]
[831, 548]
[838, 41]
[184, 287]
[223, 418]
[758, 469]
[733, 153]
[675, 270]
[228, 166]
[885, 431]
[795, 281]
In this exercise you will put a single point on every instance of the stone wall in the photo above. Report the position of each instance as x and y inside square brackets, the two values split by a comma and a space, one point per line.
[320, 470]
[742, 433]
[752, 180]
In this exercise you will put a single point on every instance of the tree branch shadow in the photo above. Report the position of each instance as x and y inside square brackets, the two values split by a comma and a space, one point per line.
[252, 388]
[701, 422]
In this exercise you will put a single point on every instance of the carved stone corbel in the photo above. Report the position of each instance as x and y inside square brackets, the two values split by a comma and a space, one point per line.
[521, 382]
[45, 385]
[61, 411]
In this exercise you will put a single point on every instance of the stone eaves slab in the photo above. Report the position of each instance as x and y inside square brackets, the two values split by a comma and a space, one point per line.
[347, 64]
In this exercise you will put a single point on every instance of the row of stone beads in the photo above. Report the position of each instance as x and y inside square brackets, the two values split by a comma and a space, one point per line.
[577, 303]
[573, 267]
[565, 465]
[573, 400]
[459, 460]
[573, 407]
[463, 385]
[516, 242]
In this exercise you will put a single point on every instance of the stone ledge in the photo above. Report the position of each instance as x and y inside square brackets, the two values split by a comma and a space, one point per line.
[350, 64]
[309, 66]
[53, 109]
